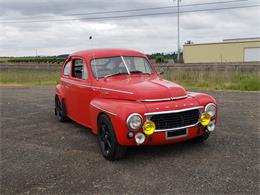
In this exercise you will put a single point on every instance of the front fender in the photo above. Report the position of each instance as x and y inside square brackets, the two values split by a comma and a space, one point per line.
[204, 99]
[117, 111]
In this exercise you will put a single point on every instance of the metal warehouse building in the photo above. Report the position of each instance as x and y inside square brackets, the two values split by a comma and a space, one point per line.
[230, 50]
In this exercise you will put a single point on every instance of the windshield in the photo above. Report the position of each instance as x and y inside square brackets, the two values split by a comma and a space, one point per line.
[105, 67]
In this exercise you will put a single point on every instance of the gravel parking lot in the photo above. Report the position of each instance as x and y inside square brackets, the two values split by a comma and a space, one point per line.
[40, 155]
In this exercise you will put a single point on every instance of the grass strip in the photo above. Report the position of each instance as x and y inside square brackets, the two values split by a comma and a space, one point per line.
[208, 79]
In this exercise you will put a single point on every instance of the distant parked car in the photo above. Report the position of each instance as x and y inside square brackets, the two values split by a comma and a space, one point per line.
[121, 97]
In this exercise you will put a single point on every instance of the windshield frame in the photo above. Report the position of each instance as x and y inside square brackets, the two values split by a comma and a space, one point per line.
[93, 68]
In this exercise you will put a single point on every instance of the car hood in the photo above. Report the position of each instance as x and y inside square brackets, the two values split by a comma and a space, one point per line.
[141, 88]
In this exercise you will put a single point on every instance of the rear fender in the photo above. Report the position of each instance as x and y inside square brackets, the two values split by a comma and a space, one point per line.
[59, 92]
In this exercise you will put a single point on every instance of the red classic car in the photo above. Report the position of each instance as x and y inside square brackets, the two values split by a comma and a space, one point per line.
[120, 96]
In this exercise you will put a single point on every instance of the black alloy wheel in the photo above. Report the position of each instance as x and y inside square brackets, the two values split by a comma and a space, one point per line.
[60, 110]
[109, 145]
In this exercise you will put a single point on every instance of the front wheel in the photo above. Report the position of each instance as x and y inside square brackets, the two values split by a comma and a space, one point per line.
[110, 148]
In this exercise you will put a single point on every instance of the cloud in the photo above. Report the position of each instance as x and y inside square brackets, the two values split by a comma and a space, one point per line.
[147, 34]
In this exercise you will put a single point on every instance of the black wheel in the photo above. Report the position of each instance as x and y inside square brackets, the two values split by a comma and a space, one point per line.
[60, 110]
[109, 146]
[201, 138]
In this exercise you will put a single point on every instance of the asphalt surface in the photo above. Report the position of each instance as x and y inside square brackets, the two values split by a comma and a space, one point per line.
[40, 155]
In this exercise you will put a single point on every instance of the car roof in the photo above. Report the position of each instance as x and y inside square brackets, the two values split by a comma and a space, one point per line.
[107, 52]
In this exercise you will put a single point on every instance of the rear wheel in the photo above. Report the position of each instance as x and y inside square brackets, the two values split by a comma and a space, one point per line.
[201, 138]
[60, 110]
[110, 148]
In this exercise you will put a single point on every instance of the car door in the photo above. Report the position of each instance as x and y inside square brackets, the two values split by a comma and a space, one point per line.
[80, 91]
[66, 85]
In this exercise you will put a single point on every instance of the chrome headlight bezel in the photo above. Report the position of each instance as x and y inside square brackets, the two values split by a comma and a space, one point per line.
[211, 109]
[129, 121]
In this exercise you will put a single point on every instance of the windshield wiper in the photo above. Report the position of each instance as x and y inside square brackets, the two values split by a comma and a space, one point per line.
[115, 74]
[138, 72]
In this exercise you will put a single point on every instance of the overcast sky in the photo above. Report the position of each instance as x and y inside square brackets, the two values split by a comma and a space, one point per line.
[148, 34]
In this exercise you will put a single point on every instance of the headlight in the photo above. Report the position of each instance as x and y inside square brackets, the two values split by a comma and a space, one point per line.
[211, 109]
[134, 121]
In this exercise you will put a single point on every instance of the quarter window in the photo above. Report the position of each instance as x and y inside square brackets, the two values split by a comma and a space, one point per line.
[66, 71]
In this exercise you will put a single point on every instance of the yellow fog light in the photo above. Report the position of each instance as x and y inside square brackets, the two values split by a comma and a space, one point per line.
[205, 119]
[149, 127]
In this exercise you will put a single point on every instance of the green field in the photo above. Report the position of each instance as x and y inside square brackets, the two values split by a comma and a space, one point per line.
[28, 77]
[32, 59]
[214, 80]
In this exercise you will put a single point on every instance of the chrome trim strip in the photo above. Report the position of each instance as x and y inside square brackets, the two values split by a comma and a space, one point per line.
[103, 109]
[95, 87]
[172, 111]
[180, 97]
[155, 100]
[115, 90]
[163, 99]
[177, 128]
[176, 137]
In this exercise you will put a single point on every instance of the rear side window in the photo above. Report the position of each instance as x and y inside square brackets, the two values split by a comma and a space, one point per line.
[79, 69]
[66, 71]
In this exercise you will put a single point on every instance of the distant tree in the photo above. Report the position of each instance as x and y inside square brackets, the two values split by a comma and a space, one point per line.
[159, 59]
[188, 42]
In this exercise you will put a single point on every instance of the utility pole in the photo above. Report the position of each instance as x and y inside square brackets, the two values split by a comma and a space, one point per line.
[178, 30]
[36, 53]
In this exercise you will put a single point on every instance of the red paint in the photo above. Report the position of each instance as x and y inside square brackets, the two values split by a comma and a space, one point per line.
[120, 96]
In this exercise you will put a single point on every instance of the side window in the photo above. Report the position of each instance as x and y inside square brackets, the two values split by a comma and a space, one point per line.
[66, 70]
[79, 69]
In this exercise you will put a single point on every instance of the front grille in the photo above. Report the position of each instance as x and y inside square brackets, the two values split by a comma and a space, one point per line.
[176, 120]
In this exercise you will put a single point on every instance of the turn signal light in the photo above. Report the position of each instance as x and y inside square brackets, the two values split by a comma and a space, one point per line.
[205, 119]
[149, 127]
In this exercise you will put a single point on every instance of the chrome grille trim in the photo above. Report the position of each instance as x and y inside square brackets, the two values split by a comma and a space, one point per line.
[172, 111]
[177, 128]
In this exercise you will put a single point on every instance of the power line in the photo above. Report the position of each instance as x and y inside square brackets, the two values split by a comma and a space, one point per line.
[129, 16]
[131, 10]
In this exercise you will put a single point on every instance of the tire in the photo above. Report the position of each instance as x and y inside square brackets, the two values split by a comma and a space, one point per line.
[110, 148]
[60, 110]
[201, 138]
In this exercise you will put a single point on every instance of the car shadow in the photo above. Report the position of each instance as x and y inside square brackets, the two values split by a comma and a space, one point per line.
[143, 152]
[164, 150]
